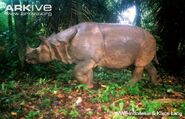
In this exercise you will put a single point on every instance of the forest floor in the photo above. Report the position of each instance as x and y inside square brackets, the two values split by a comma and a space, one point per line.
[54, 98]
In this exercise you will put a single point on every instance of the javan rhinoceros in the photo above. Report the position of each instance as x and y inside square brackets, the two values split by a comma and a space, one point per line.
[99, 44]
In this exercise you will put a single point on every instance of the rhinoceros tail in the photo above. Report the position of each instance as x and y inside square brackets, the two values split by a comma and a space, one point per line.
[156, 60]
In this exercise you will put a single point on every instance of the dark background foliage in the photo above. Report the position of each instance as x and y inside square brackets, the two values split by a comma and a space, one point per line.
[48, 91]
[165, 19]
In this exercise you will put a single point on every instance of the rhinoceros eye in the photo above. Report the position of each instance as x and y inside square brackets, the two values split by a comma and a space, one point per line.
[32, 57]
[35, 54]
[34, 51]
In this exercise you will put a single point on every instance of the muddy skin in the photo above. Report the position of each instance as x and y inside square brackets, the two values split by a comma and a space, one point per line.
[89, 45]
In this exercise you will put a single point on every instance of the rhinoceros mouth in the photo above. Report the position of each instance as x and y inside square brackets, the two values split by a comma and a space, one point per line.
[30, 61]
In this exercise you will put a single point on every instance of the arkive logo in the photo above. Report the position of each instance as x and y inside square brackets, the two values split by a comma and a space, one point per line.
[29, 8]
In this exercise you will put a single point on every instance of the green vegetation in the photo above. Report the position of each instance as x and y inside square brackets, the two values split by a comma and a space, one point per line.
[45, 97]
[50, 91]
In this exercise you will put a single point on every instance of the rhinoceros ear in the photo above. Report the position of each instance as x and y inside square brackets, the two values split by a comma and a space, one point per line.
[29, 49]
[42, 38]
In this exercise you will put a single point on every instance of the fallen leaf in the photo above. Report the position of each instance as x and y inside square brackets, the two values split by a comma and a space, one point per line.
[78, 101]
[14, 113]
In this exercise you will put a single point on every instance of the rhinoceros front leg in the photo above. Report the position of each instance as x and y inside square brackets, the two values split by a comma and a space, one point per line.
[138, 71]
[83, 72]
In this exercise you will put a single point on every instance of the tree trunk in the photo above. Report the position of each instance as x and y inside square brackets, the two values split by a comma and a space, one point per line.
[20, 28]
[10, 26]
[74, 18]
[80, 15]
[171, 30]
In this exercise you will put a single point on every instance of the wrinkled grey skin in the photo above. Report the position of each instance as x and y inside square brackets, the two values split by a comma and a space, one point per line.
[96, 44]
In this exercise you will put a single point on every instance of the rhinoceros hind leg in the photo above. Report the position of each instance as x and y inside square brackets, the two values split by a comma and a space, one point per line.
[83, 72]
[152, 72]
[136, 75]
[90, 78]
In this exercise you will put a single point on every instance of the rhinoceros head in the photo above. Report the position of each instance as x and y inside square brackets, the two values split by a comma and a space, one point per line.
[41, 54]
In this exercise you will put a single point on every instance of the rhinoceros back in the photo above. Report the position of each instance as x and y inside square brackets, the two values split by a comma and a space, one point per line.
[126, 45]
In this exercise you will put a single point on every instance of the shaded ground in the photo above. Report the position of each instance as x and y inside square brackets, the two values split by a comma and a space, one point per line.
[56, 98]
